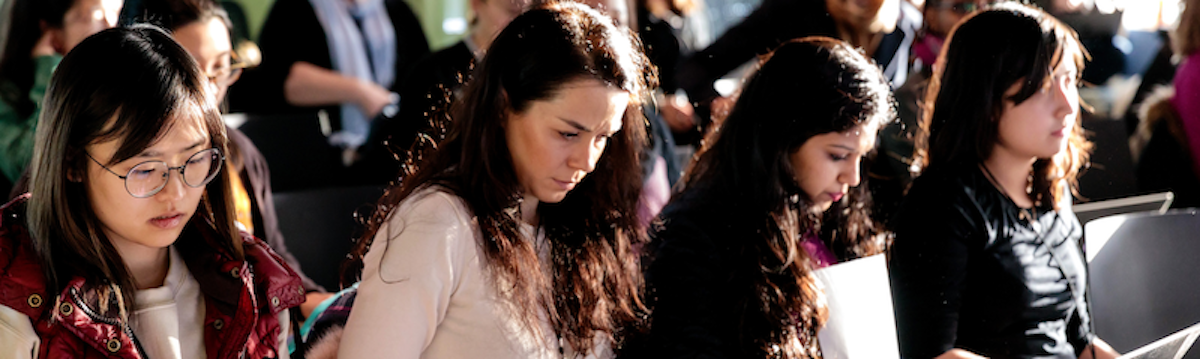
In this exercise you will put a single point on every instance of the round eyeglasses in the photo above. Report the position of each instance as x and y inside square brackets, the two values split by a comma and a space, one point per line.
[147, 178]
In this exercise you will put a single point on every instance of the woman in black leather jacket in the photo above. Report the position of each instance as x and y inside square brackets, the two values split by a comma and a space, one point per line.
[986, 259]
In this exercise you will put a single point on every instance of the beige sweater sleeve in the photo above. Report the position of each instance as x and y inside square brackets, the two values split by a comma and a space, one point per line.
[412, 269]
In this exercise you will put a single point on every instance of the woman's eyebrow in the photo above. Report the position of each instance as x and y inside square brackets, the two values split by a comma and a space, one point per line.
[152, 153]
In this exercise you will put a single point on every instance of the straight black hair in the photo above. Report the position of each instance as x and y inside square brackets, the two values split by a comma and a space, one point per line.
[129, 84]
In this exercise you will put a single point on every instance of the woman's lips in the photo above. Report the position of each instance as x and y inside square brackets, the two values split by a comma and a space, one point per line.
[167, 221]
[565, 185]
[836, 196]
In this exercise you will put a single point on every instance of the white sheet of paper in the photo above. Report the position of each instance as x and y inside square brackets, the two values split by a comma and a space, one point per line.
[1174, 346]
[861, 321]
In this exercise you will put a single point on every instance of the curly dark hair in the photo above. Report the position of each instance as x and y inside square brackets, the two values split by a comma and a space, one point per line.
[594, 283]
[806, 87]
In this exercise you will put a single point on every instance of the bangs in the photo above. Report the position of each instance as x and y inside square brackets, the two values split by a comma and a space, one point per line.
[1058, 42]
[141, 124]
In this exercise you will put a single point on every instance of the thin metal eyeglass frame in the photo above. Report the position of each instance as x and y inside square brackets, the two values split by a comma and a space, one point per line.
[219, 163]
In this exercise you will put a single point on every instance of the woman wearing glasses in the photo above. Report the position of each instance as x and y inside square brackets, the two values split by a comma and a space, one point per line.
[202, 27]
[514, 239]
[126, 245]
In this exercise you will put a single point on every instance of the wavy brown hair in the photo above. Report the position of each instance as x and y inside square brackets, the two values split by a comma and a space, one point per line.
[987, 53]
[593, 284]
[129, 85]
[806, 87]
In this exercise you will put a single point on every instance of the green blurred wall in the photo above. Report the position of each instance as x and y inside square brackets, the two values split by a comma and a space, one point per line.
[431, 13]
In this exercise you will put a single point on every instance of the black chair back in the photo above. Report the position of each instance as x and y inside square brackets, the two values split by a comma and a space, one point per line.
[297, 151]
[1145, 276]
[320, 226]
[1111, 174]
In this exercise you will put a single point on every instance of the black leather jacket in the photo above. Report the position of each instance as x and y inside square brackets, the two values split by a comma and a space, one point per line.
[970, 271]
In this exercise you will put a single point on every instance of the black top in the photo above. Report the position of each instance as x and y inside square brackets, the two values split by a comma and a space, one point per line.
[968, 271]
[700, 283]
[292, 33]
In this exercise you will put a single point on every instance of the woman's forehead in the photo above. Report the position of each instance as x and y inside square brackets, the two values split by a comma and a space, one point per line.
[185, 126]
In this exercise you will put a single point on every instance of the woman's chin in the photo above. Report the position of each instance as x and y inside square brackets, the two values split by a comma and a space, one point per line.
[821, 207]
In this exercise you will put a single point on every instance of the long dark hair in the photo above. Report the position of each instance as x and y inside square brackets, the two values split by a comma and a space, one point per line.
[594, 283]
[16, 62]
[806, 87]
[130, 84]
[985, 55]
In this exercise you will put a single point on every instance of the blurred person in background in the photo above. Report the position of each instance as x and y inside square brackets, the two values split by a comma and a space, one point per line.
[1098, 23]
[1168, 133]
[430, 88]
[203, 29]
[673, 30]
[346, 57]
[1186, 43]
[883, 29]
[39, 33]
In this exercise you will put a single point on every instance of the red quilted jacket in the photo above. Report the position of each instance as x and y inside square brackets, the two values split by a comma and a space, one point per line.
[242, 298]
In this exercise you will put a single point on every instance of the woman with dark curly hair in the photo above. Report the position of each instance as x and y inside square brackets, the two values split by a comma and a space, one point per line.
[774, 194]
[515, 237]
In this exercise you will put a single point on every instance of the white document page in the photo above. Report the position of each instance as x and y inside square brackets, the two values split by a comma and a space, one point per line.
[861, 322]
[1173, 346]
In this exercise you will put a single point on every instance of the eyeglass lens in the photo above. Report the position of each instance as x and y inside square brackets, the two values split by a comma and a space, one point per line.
[147, 178]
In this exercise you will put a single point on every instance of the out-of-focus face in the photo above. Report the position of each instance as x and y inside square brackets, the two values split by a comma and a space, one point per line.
[828, 165]
[616, 9]
[208, 42]
[555, 143]
[876, 16]
[942, 15]
[84, 18]
[135, 225]
[1041, 126]
[494, 15]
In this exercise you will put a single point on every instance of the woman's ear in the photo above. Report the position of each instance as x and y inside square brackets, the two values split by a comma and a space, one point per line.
[74, 173]
[508, 112]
